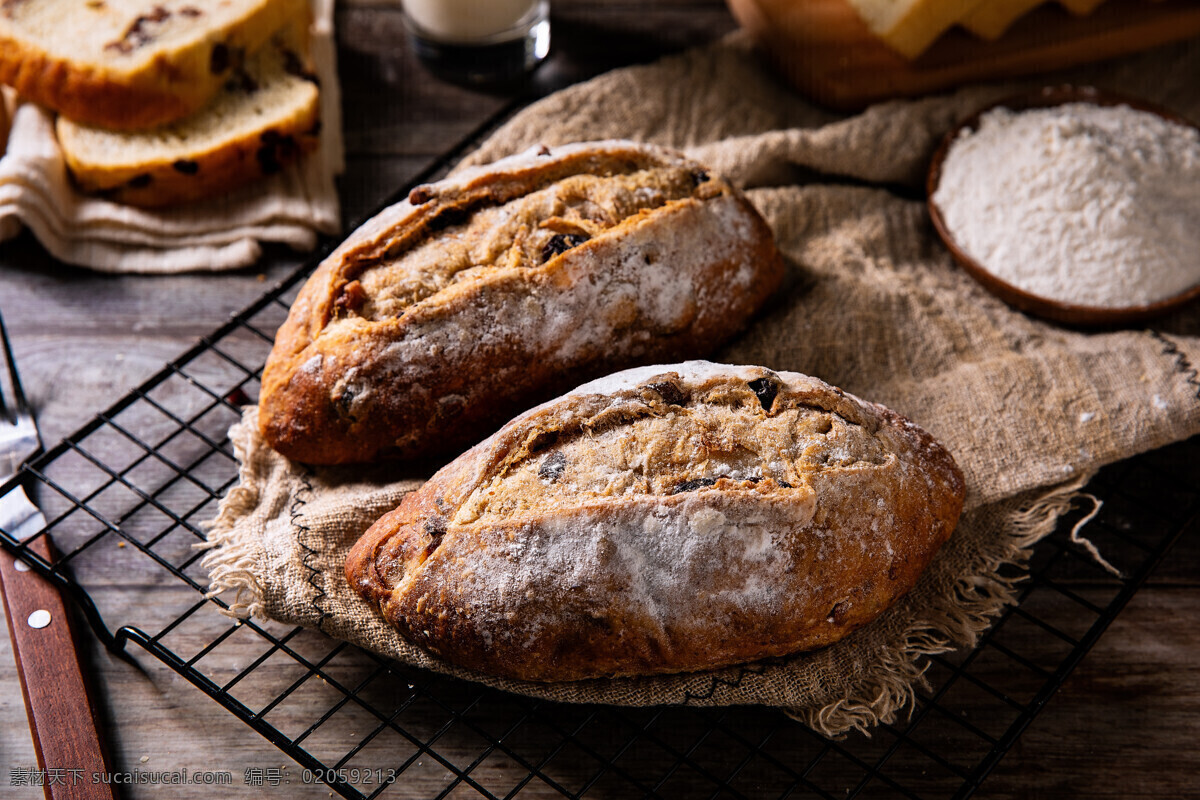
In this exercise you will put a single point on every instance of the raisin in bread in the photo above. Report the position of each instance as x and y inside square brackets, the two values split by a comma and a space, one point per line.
[130, 64]
[265, 116]
[664, 519]
[481, 295]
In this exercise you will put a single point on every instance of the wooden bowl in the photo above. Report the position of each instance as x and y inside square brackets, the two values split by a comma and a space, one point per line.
[1036, 305]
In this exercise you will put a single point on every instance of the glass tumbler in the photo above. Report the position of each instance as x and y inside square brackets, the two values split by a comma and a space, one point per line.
[479, 42]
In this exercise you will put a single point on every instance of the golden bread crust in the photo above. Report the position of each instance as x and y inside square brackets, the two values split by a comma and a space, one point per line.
[666, 519]
[426, 359]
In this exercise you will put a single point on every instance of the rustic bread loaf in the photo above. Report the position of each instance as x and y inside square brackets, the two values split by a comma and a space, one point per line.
[664, 519]
[265, 117]
[477, 297]
[129, 64]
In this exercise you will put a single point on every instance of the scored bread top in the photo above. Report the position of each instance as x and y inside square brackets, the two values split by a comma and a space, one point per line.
[666, 519]
[519, 234]
[128, 64]
[449, 312]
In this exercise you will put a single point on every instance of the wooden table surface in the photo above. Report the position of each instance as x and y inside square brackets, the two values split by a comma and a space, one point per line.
[1125, 724]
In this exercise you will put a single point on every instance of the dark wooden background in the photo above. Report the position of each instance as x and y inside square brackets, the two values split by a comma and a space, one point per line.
[1125, 725]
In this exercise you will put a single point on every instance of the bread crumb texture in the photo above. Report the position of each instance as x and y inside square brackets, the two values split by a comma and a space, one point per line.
[265, 117]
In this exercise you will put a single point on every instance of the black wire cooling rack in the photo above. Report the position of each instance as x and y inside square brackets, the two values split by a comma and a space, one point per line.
[126, 497]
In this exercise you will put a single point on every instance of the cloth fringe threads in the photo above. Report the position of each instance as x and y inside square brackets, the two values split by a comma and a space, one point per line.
[980, 595]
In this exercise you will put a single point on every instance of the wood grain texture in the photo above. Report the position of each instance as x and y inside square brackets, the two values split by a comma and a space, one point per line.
[1125, 724]
[52, 682]
[827, 51]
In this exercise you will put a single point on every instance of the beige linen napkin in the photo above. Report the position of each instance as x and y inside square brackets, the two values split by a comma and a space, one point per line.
[874, 304]
[291, 208]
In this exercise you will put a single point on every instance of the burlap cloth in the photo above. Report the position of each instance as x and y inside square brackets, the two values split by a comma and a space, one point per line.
[290, 208]
[874, 304]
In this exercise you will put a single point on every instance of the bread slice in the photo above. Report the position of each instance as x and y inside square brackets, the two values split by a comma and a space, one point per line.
[910, 26]
[131, 64]
[265, 117]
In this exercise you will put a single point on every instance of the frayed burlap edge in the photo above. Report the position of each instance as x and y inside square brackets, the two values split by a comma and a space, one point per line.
[942, 613]
[954, 619]
[231, 558]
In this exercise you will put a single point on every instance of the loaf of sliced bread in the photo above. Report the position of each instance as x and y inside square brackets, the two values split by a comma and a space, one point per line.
[264, 117]
[131, 64]
[910, 26]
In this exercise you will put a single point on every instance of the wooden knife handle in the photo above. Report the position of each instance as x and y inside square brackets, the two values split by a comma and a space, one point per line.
[65, 734]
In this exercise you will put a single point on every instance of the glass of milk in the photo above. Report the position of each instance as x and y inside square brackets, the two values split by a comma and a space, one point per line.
[480, 41]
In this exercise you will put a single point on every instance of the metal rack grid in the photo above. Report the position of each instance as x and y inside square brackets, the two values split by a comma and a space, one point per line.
[145, 474]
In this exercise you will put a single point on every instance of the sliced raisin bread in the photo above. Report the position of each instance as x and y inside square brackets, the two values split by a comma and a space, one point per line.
[131, 64]
[265, 117]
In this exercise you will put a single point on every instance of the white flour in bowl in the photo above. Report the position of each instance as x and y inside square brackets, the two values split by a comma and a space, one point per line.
[1084, 204]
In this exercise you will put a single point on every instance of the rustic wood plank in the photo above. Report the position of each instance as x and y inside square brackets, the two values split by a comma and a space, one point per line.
[1125, 724]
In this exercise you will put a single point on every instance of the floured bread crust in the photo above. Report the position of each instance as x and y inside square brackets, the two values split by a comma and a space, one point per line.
[665, 519]
[449, 312]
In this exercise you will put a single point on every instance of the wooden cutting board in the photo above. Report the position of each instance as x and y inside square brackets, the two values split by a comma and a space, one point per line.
[827, 52]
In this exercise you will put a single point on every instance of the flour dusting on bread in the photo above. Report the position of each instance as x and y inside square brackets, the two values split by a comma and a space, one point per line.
[482, 295]
[663, 519]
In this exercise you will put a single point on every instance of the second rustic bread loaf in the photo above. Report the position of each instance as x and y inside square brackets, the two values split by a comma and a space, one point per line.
[664, 519]
[477, 297]
[131, 64]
